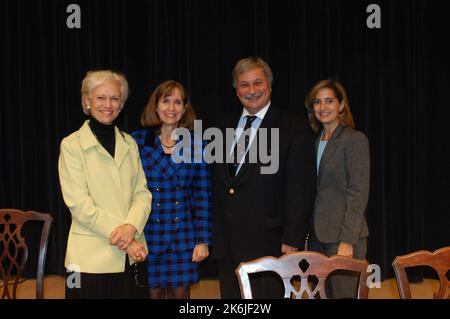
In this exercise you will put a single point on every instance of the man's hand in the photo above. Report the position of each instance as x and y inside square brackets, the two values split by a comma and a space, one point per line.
[122, 236]
[288, 249]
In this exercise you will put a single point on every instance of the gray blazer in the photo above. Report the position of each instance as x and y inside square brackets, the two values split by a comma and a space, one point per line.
[342, 188]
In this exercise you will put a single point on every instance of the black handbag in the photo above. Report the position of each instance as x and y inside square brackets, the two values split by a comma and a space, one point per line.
[141, 274]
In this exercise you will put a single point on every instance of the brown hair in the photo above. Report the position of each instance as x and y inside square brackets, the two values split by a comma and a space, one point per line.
[150, 118]
[345, 118]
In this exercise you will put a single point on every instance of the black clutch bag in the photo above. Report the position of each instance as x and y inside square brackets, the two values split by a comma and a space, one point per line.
[141, 274]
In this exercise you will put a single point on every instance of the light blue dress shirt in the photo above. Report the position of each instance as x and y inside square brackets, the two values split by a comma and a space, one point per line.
[254, 128]
[321, 148]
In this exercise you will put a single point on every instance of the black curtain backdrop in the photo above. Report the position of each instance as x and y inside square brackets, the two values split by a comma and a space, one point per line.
[396, 77]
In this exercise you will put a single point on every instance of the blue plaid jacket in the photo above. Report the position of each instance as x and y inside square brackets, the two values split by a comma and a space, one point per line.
[181, 204]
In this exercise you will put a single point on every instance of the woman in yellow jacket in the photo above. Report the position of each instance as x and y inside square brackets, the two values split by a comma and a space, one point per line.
[104, 187]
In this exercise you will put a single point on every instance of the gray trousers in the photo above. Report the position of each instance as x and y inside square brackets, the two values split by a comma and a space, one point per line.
[342, 283]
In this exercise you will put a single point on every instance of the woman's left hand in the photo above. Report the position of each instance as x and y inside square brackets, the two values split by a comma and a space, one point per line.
[136, 251]
[345, 249]
[122, 236]
[201, 251]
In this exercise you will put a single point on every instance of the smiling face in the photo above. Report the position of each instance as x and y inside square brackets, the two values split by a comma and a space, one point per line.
[171, 108]
[105, 102]
[327, 107]
[253, 90]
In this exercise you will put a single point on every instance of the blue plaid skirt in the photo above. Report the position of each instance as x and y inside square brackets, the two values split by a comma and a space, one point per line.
[172, 270]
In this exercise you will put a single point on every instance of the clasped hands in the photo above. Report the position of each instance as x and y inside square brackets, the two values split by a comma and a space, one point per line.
[123, 237]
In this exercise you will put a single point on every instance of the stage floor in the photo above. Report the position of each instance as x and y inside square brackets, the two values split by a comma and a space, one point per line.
[209, 289]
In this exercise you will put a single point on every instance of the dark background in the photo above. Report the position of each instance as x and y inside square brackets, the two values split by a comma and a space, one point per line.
[396, 78]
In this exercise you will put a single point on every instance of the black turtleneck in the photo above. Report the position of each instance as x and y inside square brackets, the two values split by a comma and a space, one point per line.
[105, 134]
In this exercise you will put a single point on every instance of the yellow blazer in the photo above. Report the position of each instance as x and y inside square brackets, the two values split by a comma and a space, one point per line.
[102, 193]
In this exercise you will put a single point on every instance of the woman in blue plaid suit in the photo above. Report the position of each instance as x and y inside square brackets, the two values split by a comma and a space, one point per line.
[178, 231]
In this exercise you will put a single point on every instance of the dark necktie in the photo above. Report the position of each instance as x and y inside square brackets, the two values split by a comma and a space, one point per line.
[243, 138]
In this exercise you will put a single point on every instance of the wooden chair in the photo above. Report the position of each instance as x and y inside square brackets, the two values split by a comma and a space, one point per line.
[439, 260]
[303, 264]
[14, 250]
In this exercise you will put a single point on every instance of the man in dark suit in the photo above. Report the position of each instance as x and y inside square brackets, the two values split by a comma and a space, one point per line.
[258, 214]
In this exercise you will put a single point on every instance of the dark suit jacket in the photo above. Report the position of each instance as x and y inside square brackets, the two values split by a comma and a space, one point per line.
[253, 214]
[343, 188]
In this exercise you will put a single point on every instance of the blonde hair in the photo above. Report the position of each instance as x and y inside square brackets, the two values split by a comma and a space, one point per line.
[345, 117]
[249, 64]
[150, 117]
[94, 79]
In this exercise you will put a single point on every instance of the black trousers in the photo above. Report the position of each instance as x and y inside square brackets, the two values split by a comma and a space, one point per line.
[103, 286]
[265, 285]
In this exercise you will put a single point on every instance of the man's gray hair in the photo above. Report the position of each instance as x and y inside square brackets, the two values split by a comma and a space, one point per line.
[251, 63]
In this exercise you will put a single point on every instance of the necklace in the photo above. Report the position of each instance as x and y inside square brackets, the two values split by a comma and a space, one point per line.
[165, 144]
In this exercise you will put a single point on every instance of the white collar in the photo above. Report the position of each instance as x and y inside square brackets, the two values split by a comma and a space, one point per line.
[261, 113]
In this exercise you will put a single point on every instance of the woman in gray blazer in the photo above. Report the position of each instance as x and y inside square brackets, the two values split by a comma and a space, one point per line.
[343, 171]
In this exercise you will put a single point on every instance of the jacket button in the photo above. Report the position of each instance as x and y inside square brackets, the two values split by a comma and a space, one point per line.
[157, 221]
[157, 204]
[157, 189]
[176, 203]
[176, 219]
